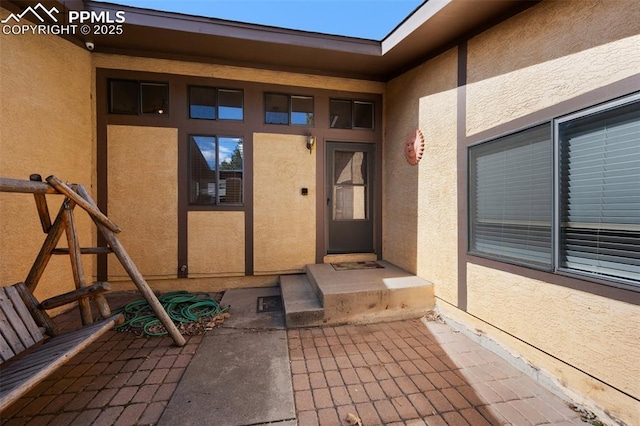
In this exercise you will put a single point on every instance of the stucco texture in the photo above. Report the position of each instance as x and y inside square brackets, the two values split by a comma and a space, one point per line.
[46, 128]
[236, 73]
[284, 221]
[143, 198]
[593, 334]
[216, 244]
[553, 52]
[420, 202]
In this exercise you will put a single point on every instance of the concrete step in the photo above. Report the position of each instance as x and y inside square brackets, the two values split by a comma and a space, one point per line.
[325, 296]
[302, 306]
[370, 295]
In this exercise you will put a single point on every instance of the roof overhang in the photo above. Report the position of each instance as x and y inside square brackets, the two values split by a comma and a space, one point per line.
[433, 27]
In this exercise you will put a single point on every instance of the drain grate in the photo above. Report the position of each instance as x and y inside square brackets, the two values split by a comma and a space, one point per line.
[269, 304]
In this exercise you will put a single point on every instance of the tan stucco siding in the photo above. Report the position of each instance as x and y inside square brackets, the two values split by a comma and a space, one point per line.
[143, 197]
[46, 127]
[216, 243]
[284, 224]
[236, 73]
[574, 325]
[556, 51]
[551, 53]
[420, 207]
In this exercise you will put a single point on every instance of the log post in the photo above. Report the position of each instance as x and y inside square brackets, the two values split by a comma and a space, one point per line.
[25, 186]
[93, 210]
[41, 205]
[134, 273]
[72, 296]
[76, 261]
[44, 255]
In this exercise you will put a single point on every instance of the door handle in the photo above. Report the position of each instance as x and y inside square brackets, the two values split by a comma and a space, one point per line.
[328, 201]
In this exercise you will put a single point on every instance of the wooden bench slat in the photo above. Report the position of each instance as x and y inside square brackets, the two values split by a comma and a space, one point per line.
[58, 344]
[6, 325]
[5, 350]
[20, 377]
[21, 309]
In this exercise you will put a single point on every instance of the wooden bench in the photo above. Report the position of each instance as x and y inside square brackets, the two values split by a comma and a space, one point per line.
[25, 359]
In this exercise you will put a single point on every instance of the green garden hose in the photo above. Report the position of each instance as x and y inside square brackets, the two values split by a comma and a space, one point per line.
[181, 306]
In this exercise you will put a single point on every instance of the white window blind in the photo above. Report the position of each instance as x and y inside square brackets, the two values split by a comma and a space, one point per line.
[599, 193]
[510, 194]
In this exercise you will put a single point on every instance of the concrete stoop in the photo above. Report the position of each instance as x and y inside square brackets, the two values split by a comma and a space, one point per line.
[324, 296]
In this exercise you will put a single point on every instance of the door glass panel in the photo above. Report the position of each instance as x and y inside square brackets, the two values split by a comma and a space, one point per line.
[350, 167]
[350, 185]
[350, 202]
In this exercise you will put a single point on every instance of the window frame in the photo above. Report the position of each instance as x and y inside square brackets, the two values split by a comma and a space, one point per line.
[217, 103]
[513, 260]
[289, 111]
[352, 103]
[216, 205]
[555, 194]
[139, 83]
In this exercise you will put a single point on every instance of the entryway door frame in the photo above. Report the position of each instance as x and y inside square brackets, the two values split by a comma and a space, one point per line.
[373, 191]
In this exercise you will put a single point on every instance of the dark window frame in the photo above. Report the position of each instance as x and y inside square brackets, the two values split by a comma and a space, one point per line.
[352, 103]
[139, 98]
[217, 102]
[522, 226]
[216, 205]
[289, 111]
[555, 270]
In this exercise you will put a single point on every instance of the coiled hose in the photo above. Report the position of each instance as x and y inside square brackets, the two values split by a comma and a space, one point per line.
[181, 306]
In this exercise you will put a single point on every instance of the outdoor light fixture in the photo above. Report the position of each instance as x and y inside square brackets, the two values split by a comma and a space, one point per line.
[311, 141]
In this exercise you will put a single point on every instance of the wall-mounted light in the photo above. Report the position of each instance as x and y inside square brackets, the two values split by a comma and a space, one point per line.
[311, 141]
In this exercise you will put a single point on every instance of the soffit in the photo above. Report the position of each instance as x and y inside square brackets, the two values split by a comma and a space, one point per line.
[434, 26]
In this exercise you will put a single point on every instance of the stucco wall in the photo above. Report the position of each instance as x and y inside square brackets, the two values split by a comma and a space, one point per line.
[235, 73]
[420, 206]
[551, 53]
[46, 127]
[284, 224]
[216, 243]
[143, 198]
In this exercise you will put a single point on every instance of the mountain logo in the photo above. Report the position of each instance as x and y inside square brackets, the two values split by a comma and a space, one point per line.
[38, 11]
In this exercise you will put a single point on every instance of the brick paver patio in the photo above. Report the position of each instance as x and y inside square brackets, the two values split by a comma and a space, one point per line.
[410, 373]
[395, 373]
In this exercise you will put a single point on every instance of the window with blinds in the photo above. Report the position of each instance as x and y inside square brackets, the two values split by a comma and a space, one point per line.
[599, 192]
[567, 200]
[510, 194]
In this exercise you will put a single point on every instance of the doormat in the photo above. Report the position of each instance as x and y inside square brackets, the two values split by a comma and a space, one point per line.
[269, 304]
[348, 266]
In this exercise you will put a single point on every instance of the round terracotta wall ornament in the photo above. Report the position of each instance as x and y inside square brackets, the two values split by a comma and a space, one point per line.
[414, 148]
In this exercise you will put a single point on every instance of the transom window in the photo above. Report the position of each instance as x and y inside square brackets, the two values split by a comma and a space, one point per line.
[288, 109]
[563, 196]
[135, 97]
[216, 170]
[211, 103]
[350, 114]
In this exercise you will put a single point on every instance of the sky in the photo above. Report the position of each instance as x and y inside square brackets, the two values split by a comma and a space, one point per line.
[369, 19]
